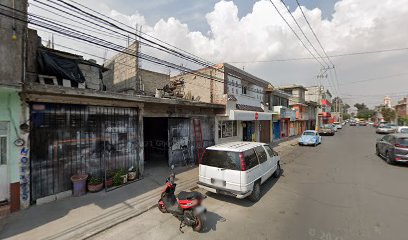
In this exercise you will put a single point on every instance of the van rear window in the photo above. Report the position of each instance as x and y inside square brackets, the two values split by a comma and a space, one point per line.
[221, 159]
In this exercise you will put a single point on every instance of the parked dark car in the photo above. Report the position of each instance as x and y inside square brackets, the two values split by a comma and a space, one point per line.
[393, 148]
[353, 123]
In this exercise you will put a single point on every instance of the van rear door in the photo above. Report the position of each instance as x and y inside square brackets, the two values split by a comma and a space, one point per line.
[221, 169]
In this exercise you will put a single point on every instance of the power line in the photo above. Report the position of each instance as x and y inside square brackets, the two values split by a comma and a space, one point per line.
[331, 56]
[123, 24]
[301, 30]
[71, 33]
[311, 29]
[296, 34]
[321, 46]
[159, 46]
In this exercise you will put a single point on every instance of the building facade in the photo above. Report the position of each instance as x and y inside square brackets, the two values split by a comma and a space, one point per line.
[401, 111]
[283, 114]
[246, 118]
[13, 140]
[323, 97]
[298, 104]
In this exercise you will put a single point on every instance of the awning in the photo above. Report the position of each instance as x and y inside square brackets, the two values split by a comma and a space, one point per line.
[250, 115]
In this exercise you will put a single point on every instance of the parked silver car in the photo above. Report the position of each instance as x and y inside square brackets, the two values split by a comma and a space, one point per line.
[385, 129]
[393, 148]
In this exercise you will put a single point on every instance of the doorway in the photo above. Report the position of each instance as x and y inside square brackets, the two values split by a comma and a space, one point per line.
[247, 131]
[4, 182]
[155, 132]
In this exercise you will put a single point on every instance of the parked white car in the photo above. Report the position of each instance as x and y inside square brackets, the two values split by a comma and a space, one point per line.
[338, 125]
[238, 168]
[402, 129]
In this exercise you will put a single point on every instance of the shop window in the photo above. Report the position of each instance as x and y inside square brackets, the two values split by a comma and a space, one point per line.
[227, 129]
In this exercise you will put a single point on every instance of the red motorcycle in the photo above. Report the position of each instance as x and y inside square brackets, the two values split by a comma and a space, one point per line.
[186, 207]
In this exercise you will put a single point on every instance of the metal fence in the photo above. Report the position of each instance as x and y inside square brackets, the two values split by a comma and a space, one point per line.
[70, 139]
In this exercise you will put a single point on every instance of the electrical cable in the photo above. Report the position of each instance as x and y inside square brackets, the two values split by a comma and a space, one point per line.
[280, 14]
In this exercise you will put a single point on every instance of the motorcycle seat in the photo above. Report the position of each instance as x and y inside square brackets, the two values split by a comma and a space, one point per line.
[188, 195]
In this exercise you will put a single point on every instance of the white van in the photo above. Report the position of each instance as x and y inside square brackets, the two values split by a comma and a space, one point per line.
[238, 168]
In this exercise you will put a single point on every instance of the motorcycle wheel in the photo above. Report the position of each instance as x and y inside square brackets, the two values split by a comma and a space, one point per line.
[199, 224]
[162, 208]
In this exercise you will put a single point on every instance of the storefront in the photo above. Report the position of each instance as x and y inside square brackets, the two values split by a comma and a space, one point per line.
[244, 126]
[67, 139]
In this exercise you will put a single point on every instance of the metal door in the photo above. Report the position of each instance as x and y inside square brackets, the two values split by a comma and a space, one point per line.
[179, 139]
[4, 181]
[265, 132]
[69, 139]
[276, 130]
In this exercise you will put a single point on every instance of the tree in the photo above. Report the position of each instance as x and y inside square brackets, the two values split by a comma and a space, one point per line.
[360, 106]
[346, 107]
[388, 114]
[346, 116]
[363, 111]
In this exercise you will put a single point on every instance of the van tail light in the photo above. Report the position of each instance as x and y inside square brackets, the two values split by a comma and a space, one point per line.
[242, 161]
[400, 146]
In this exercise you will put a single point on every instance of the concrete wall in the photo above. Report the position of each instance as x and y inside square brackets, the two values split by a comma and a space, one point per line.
[12, 37]
[123, 67]
[203, 88]
[153, 80]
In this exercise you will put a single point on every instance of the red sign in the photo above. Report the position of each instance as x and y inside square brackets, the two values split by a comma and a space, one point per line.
[256, 116]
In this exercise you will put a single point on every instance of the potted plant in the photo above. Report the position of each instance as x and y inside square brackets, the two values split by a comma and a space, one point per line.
[120, 177]
[132, 173]
[95, 184]
[79, 184]
[109, 178]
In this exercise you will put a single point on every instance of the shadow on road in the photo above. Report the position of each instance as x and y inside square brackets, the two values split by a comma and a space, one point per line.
[265, 187]
[211, 221]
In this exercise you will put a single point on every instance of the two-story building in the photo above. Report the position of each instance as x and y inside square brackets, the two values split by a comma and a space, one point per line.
[279, 103]
[323, 97]
[246, 118]
[297, 102]
[401, 110]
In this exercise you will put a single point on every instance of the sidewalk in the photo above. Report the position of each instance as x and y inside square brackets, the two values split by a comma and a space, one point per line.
[82, 217]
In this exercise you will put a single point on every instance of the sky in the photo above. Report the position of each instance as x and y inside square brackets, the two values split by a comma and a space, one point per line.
[251, 35]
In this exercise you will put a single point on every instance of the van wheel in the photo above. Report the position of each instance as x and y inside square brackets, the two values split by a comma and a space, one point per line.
[256, 192]
[278, 171]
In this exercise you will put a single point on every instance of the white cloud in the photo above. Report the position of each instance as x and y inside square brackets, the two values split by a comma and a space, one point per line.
[261, 35]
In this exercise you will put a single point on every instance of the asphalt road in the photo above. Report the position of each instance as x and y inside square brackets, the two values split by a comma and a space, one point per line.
[338, 190]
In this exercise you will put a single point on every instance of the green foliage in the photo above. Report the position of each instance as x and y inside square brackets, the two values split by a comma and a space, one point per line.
[117, 178]
[403, 121]
[110, 174]
[388, 114]
[346, 107]
[363, 111]
[360, 106]
[95, 180]
[346, 116]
